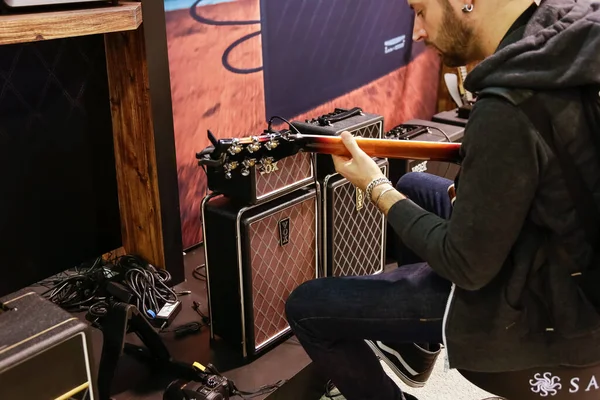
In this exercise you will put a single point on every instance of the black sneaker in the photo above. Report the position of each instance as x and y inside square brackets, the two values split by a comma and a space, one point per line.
[411, 362]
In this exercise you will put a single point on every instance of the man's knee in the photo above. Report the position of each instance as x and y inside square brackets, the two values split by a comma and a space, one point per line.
[298, 303]
[409, 181]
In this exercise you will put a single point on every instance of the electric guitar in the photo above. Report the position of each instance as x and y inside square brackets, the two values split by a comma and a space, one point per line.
[467, 96]
[239, 155]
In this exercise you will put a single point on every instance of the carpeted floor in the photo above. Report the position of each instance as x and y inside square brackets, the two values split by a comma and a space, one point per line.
[444, 385]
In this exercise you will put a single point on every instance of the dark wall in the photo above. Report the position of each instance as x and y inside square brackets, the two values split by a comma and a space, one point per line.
[58, 193]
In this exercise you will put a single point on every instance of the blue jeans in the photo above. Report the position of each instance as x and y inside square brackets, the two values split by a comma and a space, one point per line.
[331, 317]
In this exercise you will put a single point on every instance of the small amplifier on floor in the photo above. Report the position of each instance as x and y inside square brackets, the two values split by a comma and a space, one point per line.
[353, 120]
[354, 230]
[255, 256]
[45, 352]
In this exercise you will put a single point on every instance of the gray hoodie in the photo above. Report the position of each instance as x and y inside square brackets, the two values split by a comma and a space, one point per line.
[513, 306]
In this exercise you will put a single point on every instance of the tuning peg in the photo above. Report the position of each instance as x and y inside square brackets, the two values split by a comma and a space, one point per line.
[254, 146]
[249, 162]
[272, 143]
[235, 147]
[228, 167]
[231, 165]
[245, 171]
[266, 161]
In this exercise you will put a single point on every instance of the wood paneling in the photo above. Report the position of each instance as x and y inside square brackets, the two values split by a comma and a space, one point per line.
[135, 150]
[31, 27]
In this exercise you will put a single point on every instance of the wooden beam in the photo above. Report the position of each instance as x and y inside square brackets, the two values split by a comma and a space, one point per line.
[32, 27]
[135, 151]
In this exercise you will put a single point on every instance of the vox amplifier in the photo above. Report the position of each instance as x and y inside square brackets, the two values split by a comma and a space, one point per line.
[315, 51]
[417, 129]
[263, 182]
[255, 256]
[45, 352]
[354, 230]
[352, 120]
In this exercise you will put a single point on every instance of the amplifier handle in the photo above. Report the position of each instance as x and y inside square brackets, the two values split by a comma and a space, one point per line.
[328, 120]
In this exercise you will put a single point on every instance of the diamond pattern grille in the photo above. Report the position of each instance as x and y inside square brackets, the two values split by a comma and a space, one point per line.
[357, 235]
[291, 170]
[43, 84]
[369, 131]
[277, 270]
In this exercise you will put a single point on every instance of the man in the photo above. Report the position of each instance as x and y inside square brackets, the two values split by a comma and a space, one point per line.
[489, 291]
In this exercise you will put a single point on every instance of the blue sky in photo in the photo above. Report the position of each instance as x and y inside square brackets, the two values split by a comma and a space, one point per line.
[172, 5]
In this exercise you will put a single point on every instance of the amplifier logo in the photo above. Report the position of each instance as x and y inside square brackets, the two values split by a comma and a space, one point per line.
[394, 44]
[360, 199]
[284, 231]
[269, 168]
[420, 167]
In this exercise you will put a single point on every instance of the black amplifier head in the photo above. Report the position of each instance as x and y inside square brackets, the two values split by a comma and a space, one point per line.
[354, 120]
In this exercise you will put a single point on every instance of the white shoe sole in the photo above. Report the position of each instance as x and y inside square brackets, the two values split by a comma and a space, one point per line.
[393, 368]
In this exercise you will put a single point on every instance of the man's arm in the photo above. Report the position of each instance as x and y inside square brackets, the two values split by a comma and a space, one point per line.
[498, 181]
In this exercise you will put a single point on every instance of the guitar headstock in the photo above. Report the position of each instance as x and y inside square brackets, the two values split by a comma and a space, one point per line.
[239, 155]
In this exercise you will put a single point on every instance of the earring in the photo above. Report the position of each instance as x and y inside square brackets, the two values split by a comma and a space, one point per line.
[467, 8]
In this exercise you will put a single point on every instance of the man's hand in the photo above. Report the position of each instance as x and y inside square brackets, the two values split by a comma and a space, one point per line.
[360, 169]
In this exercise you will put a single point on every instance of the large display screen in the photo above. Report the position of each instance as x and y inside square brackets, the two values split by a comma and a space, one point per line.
[236, 63]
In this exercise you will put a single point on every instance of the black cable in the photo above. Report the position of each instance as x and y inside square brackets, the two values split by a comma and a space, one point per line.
[442, 132]
[194, 14]
[185, 329]
[449, 141]
[266, 389]
[196, 307]
[199, 275]
[76, 290]
[147, 284]
[229, 49]
[225, 58]
[274, 117]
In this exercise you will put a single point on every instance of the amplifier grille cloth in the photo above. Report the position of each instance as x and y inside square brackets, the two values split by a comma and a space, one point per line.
[277, 270]
[369, 131]
[357, 244]
[291, 170]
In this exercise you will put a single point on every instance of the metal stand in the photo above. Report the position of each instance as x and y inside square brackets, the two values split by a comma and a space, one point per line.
[120, 319]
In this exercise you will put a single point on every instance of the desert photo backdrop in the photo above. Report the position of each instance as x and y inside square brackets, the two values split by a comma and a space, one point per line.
[217, 83]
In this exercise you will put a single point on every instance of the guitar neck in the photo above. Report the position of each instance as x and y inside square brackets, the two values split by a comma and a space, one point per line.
[466, 95]
[386, 148]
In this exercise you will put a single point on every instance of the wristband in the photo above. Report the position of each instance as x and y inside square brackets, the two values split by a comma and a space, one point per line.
[375, 182]
[384, 191]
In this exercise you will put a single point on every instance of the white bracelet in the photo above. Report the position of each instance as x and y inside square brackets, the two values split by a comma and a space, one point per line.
[384, 191]
[373, 184]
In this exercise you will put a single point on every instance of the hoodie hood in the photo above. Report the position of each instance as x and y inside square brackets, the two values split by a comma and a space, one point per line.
[560, 48]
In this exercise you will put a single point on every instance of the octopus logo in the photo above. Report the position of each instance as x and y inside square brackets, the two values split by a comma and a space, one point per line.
[545, 385]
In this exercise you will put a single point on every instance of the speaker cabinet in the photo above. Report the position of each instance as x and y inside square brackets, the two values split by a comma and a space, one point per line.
[354, 233]
[45, 352]
[255, 256]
